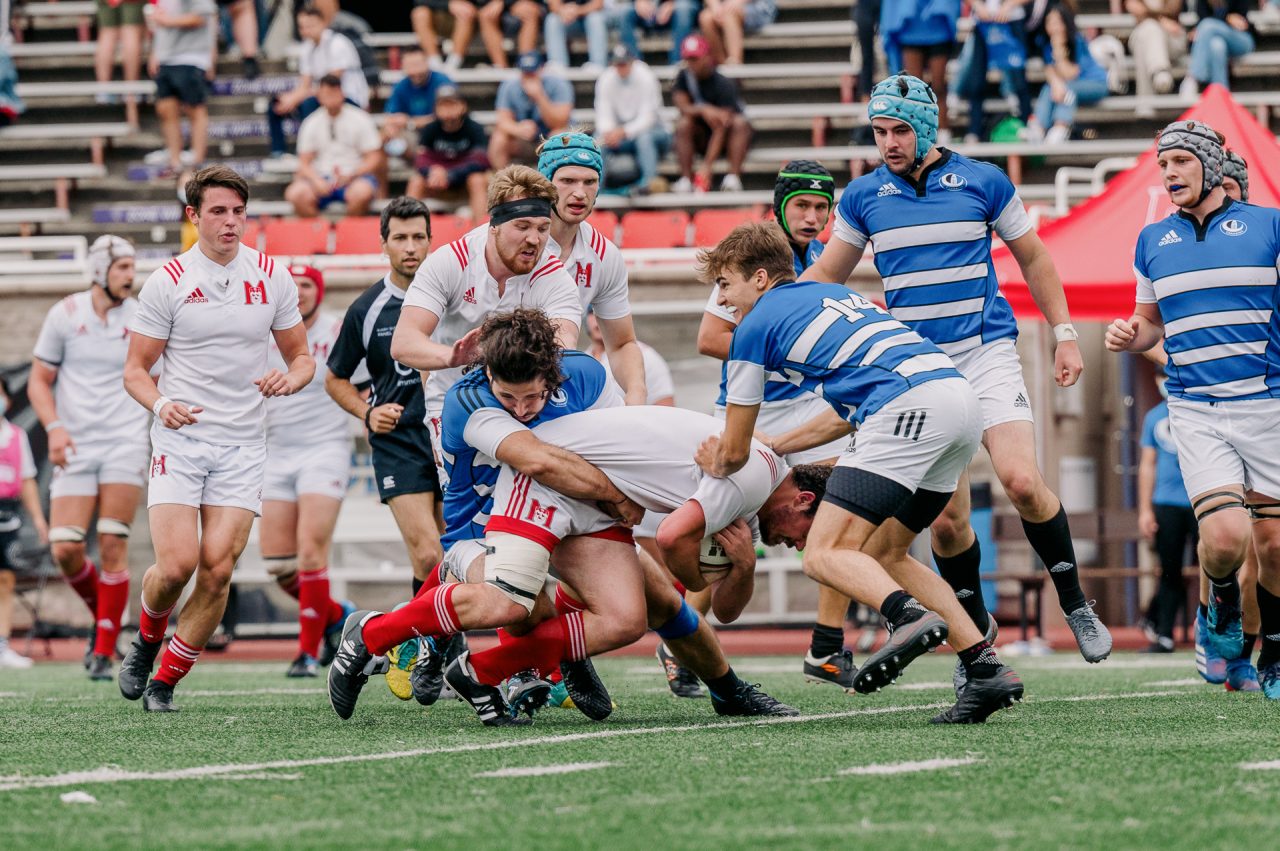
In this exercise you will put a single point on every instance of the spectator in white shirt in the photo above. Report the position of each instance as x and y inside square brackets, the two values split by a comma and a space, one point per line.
[339, 151]
[629, 117]
[323, 52]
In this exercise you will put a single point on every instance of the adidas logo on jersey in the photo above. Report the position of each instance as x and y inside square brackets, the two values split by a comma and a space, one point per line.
[1021, 402]
[196, 297]
[1168, 239]
[888, 189]
[470, 295]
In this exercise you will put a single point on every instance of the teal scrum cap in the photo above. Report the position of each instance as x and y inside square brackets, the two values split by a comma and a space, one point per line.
[909, 100]
[564, 149]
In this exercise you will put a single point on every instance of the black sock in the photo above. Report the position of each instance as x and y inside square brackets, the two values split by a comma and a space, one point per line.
[961, 573]
[980, 661]
[1269, 609]
[827, 640]
[417, 585]
[724, 687]
[1225, 591]
[900, 609]
[1250, 641]
[1052, 542]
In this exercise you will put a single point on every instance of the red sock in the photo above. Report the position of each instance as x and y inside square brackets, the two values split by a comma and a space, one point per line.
[113, 594]
[335, 614]
[291, 585]
[430, 614]
[313, 609]
[85, 584]
[551, 642]
[433, 580]
[177, 661]
[566, 604]
[504, 636]
[152, 624]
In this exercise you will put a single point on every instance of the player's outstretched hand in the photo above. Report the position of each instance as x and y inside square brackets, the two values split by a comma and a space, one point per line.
[705, 457]
[383, 418]
[466, 350]
[175, 415]
[275, 383]
[737, 543]
[1120, 335]
[1067, 363]
[628, 512]
[61, 446]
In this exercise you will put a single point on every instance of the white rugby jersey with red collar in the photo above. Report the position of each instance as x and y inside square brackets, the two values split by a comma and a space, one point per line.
[598, 271]
[456, 286]
[218, 322]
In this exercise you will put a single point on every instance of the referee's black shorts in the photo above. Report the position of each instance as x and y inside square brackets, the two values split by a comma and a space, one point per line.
[403, 462]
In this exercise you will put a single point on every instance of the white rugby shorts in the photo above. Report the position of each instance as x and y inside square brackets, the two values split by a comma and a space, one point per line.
[923, 439]
[186, 471]
[460, 556]
[995, 373]
[323, 469]
[1227, 443]
[95, 464]
[778, 417]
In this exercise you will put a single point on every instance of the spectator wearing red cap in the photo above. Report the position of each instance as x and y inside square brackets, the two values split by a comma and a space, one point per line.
[726, 22]
[711, 120]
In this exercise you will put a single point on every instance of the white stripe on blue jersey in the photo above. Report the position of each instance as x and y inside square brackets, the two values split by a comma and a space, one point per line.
[832, 342]
[1215, 286]
[932, 244]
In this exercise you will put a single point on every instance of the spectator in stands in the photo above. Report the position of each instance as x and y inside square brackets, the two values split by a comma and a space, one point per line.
[866, 21]
[726, 22]
[412, 103]
[182, 51]
[917, 33]
[629, 119]
[711, 120]
[997, 41]
[1222, 33]
[339, 150]
[653, 16]
[534, 105]
[452, 155]
[524, 14]
[1157, 40]
[422, 19]
[324, 52]
[1073, 78]
[17, 491]
[568, 19]
[119, 23]
[243, 18]
[11, 106]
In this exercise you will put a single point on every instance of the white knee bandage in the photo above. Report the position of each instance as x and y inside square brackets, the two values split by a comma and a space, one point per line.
[277, 567]
[515, 566]
[107, 526]
[66, 535]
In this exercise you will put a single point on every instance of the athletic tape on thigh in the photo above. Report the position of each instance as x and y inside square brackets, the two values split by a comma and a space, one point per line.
[1236, 501]
[280, 566]
[66, 535]
[516, 566]
[684, 623]
[1256, 511]
[109, 526]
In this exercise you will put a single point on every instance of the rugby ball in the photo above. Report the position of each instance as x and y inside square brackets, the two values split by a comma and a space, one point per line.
[712, 558]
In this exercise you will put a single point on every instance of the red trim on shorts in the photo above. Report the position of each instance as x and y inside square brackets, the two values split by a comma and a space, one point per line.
[524, 529]
[621, 534]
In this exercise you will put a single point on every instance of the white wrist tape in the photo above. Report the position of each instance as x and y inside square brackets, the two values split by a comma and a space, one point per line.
[159, 404]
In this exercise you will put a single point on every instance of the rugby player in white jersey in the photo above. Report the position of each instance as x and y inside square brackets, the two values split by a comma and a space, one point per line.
[97, 438]
[211, 313]
[501, 265]
[308, 466]
[574, 164]
[930, 213]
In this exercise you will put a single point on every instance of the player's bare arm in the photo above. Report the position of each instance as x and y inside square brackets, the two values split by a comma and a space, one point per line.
[824, 428]
[714, 335]
[567, 334]
[1046, 288]
[566, 473]
[836, 263]
[380, 419]
[411, 344]
[680, 540]
[625, 359]
[40, 393]
[725, 455]
[1138, 333]
[732, 593]
[293, 346]
[144, 351]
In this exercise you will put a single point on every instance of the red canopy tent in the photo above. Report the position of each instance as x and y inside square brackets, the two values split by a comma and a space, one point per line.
[1092, 246]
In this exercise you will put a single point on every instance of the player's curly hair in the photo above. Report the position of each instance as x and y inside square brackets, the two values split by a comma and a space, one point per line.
[812, 478]
[521, 346]
[748, 247]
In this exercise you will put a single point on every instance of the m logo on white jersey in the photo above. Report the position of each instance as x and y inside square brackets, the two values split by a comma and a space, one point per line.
[541, 515]
[196, 297]
[470, 295]
[1169, 239]
[255, 293]
[1233, 227]
[953, 181]
[157, 465]
[584, 275]
[888, 189]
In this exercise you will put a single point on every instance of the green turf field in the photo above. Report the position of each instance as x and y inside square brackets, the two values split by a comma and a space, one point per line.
[1133, 753]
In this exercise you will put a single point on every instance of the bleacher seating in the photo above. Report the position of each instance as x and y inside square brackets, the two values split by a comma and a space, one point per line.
[655, 229]
[288, 236]
[357, 235]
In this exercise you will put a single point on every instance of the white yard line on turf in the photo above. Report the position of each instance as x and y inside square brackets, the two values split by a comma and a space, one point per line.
[1273, 765]
[1187, 681]
[108, 774]
[907, 767]
[544, 770]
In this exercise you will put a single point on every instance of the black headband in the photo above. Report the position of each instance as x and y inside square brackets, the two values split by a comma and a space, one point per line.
[519, 209]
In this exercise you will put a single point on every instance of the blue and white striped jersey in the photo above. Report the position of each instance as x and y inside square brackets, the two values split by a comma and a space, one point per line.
[832, 342]
[1215, 286]
[932, 243]
[774, 391]
[474, 423]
